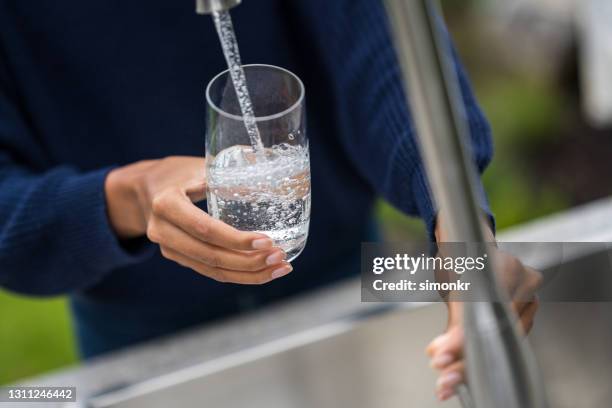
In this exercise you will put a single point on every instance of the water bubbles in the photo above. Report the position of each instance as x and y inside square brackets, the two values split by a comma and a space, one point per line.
[262, 196]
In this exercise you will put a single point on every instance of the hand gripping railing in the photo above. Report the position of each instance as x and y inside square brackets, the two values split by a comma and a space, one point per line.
[501, 369]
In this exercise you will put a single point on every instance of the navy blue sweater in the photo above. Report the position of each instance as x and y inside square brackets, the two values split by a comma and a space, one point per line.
[87, 86]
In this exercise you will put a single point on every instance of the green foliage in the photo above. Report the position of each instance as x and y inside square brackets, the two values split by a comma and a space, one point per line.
[515, 199]
[524, 116]
[396, 226]
[35, 336]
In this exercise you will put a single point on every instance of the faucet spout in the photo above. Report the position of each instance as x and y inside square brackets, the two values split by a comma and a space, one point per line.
[211, 6]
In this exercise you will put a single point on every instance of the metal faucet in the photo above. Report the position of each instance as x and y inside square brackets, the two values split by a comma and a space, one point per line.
[211, 6]
[500, 365]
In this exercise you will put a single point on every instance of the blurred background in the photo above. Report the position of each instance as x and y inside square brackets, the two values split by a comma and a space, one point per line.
[540, 70]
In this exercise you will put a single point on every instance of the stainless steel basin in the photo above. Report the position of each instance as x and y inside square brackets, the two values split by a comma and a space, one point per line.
[327, 349]
[379, 363]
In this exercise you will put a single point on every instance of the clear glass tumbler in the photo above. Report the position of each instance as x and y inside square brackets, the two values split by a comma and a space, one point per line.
[269, 191]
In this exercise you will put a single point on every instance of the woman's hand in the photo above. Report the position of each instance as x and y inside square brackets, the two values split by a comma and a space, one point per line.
[446, 351]
[155, 198]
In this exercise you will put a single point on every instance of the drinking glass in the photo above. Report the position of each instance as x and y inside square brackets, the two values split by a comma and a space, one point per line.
[265, 190]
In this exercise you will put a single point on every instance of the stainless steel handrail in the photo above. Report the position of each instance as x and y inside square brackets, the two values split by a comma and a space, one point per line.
[500, 366]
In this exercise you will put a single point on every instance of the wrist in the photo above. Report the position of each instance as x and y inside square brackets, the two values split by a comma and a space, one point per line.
[122, 201]
[441, 235]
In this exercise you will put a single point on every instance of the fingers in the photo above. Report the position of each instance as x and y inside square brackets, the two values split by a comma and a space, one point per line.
[525, 303]
[450, 377]
[446, 353]
[527, 317]
[445, 356]
[176, 208]
[529, 284]
[190, 237]
[510, 272]
[450, 343]
[177, 240]
[520, 281]
[228, 276]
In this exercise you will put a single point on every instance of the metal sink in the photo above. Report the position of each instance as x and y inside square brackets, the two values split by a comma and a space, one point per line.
[378, 363]
[327, 349]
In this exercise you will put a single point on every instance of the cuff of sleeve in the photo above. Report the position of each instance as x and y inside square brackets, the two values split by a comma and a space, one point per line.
[427, 209]
[425, 205]
[93, 245]
[485, 207]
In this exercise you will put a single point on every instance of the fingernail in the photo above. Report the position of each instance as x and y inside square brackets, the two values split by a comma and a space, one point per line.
[441, 361]
[262, 243]
[449, 380]
[280, 272]
[446, 394]
[275, 258]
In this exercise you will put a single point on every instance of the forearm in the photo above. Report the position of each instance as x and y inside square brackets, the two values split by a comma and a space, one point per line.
[55, 236]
